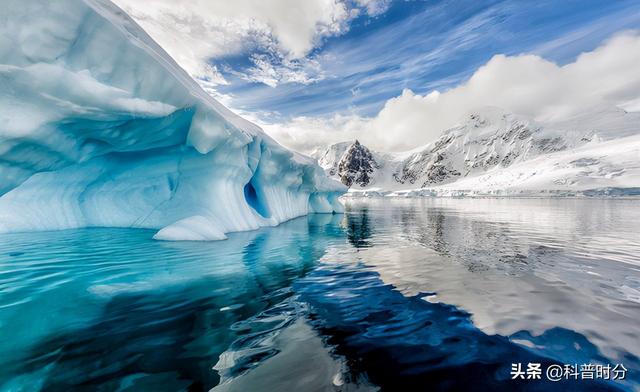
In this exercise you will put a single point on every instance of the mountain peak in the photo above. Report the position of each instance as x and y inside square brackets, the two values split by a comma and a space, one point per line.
[356, 165]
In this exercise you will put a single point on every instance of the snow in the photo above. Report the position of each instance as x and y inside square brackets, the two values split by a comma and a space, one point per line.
[100, 127]
[497, 153]
[610, 168]
[330, 158]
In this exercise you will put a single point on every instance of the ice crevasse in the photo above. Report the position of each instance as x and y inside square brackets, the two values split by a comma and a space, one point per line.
[100, 127]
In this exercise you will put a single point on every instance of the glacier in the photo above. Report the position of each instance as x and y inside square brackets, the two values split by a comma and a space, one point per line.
[99, 127]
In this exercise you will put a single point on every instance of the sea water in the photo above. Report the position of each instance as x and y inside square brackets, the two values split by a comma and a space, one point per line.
[416, 294]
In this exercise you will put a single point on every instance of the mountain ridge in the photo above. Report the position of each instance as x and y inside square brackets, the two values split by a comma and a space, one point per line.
[491, 142]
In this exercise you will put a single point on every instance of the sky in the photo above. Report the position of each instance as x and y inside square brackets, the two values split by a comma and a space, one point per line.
[396, 74]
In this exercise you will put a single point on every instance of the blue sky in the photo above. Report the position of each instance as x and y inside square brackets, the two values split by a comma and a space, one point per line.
[396, 74]
[422, 46]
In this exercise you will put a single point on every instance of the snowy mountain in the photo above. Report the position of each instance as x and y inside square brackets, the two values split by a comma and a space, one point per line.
[353, 164]
[356, 165]
[496, 152]
[100, 127]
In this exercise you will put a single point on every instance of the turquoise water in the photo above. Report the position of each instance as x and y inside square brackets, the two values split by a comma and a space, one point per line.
[392, 295]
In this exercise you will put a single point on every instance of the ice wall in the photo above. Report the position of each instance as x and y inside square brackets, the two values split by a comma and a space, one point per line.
[100, 127]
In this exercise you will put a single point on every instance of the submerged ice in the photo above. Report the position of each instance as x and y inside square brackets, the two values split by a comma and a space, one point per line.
[100, 127]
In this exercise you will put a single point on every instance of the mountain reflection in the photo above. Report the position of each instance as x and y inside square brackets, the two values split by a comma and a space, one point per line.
[358, 228]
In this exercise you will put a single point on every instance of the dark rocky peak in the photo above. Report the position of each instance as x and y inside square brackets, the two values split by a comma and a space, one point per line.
[357, 165]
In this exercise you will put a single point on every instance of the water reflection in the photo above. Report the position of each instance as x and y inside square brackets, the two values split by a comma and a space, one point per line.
[402, 295]
[166, 316]
[521, 268]
[406, 343]
[358, 228]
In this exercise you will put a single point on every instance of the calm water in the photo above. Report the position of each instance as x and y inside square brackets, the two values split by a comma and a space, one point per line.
[429, 294]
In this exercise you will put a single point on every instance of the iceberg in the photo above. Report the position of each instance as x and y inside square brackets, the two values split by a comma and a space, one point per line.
[99, 127]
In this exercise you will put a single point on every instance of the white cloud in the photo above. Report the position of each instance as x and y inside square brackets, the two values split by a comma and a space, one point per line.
[195, 31]
[374, 7]
[305, 134]
[527, 85]
[272, 73]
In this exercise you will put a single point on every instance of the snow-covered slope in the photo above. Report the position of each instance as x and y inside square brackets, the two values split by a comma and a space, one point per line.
[496, 152]
[100, 127]
[604, 168]
[330, 158]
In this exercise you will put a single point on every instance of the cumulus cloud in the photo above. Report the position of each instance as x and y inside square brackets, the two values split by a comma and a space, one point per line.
[196, 31]
[526, 85]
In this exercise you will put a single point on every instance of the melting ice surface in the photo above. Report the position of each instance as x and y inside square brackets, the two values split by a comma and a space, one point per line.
[392, 295]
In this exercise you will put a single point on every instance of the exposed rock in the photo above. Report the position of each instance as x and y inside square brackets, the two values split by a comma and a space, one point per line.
[356, 165]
